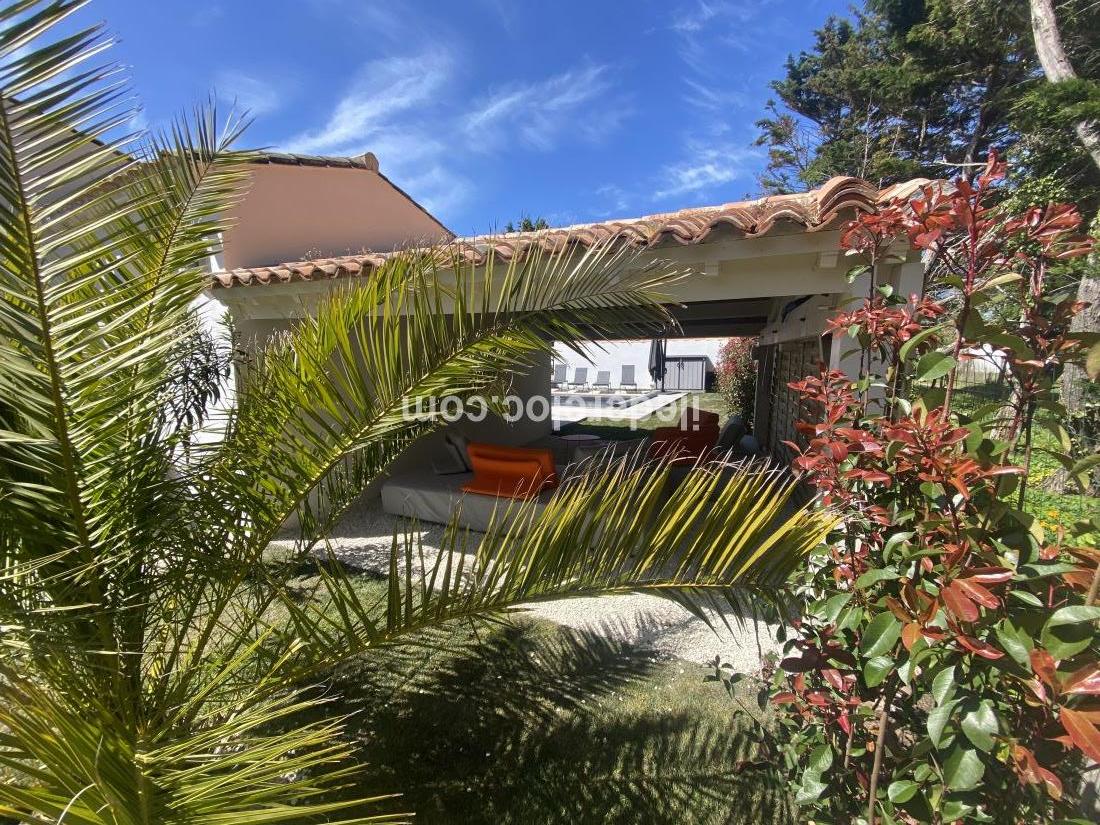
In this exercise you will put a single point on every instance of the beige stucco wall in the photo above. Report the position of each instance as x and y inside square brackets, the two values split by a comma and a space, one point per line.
[291, 213]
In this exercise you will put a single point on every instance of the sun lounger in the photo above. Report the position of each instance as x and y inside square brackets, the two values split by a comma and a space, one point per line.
[560, 375]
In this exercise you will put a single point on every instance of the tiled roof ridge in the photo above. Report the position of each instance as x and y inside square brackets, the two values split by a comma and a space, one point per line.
[367, 160]
[814, 210]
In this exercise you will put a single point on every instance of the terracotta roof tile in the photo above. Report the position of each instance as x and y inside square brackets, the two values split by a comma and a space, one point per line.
[814, 210]
[366, 161]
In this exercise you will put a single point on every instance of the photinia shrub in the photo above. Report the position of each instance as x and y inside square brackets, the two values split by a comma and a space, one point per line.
[943, 666]
[736, 372]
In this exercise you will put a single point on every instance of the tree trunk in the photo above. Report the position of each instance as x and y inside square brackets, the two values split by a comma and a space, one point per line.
[1057, 68]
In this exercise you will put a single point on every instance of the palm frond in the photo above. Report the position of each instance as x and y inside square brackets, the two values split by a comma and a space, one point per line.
[101, 259]
[720, 535]
[323, 410]
[240, 763]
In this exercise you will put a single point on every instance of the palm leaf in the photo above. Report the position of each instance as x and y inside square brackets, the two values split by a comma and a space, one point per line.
[724, 533]
[323, 410]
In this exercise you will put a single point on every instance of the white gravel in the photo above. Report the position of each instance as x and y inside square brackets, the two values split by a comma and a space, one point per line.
[364, 536]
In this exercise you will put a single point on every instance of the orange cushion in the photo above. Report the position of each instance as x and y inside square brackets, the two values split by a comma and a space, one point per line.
[510, 472]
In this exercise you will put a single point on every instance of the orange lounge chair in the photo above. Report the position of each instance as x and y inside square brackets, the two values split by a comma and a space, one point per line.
[510, 472]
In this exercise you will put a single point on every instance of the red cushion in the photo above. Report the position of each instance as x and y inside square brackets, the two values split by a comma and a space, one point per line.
[510, 472]
[693, 418]
[684, 447]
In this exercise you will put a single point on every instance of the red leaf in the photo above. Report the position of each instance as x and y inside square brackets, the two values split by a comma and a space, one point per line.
[1052, 782]
[959, 603]
[989, 575]
[979, 648]
[784, 698]
[1043, 665]
[1084, 681]
[844, 722]
[833, 677]
[909, 635]
[1037, 688]
[1082, 733]
[978, 593]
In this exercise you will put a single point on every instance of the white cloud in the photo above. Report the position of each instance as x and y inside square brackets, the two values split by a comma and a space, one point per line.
[383, 90]
[247, 92]
[706, 168]
[404, 109]
[541, 114]
[392, 109]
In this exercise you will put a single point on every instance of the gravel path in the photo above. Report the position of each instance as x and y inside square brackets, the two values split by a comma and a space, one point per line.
[364, 536]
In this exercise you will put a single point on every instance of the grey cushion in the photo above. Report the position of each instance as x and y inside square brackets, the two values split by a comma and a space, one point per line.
[749, 445]
[425, 496]
[731, 432]
[460, 442]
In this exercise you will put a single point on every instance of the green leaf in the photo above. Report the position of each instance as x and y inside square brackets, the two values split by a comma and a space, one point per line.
[1080, 470]
[933, 365]
[875, 575]
[821, 759]
[980, 726]
[1074, 614]
[943, 685]
[894, 542]
[1015, 643]
[931, 398]
[1069, 631]
[902, 791]
[923, 335]
[811, 789]
[1001, 280]
[877, 669]
[954, 810]
[1027, 598]
[834, 605]
[880, 635]
[855, 272]
[937, 721]
[1092, 362]
[963, 769]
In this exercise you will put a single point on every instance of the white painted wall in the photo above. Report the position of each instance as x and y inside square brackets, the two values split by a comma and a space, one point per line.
[611, 355]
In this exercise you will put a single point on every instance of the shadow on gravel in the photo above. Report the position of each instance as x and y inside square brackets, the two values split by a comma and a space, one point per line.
[526, 723]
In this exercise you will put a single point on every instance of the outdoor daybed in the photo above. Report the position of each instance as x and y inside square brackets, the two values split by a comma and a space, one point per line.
[427, 494]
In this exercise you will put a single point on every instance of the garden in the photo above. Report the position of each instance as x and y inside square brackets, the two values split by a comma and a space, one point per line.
[185, 638]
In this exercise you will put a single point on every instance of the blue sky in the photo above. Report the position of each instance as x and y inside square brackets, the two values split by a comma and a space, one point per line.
[485, 110]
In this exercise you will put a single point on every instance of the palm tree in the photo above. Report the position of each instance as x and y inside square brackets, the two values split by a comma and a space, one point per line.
[155, 656]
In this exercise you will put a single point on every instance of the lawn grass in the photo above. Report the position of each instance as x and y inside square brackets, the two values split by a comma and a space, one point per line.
[527, 722]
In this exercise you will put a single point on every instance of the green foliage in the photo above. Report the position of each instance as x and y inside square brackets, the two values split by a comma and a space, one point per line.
[159, 662]
[527, 224]
[906, 88]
